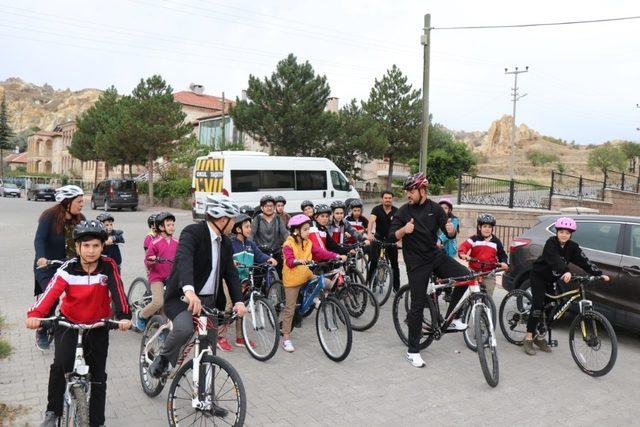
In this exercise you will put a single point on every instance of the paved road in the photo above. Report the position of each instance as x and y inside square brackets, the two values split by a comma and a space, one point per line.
[374, 386]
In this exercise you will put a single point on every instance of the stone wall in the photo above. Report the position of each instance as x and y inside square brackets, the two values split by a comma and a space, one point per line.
[615, 202]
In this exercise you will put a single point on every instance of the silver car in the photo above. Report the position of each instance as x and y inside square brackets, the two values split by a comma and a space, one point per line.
[9, 190]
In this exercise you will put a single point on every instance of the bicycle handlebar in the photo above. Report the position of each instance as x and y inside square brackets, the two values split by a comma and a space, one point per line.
[467, 278]
[385, 244]
[585, 279]
[50, 263]
[211, 311]
[160, 260]
[59, 320]
[477, 261]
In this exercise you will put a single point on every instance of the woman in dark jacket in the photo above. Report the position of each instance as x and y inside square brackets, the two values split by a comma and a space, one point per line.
[54, 241]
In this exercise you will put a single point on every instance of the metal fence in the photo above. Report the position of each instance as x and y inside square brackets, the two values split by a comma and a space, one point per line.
[481, 190]
[563, 184]
[506, 233]
[621, 181]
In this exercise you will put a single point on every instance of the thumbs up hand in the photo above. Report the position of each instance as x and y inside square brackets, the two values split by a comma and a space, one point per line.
[408, 229]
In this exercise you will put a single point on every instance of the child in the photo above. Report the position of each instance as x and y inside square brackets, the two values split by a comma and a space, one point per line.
[307, 208]
[280, 204]
[449, 244]
[339, 229]
[245, 252]
[163, 246]
[484, 246]
[151, 222]
[356, 219]
[87, 304]
[111, 248]
[552, 265]
[324, 247]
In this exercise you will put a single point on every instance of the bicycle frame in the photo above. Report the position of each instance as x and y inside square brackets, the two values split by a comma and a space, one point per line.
[318, 285]
[584, 304]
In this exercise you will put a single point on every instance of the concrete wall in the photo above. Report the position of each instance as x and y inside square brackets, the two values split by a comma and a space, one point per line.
[615, 202]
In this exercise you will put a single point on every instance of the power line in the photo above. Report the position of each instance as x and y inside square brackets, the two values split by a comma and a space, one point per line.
[515, 99]
[544, 24]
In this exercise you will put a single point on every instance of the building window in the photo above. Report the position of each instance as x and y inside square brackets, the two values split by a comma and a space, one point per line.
[210, 132]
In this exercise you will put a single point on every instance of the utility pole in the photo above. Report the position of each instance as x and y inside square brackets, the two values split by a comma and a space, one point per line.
[223, 142]
[515, 98]
[425, 40]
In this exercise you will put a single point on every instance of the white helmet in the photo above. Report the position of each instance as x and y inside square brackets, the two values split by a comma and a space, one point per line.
[68, 192]
[220, 207]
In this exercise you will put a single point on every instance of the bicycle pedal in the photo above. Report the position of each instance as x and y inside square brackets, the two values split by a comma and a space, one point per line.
[553, 343]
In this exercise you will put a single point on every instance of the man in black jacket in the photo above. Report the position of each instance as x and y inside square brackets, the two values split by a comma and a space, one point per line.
[204, 257]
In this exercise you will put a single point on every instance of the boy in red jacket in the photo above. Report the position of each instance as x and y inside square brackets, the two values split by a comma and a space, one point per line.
[89, 283]
[486, 248]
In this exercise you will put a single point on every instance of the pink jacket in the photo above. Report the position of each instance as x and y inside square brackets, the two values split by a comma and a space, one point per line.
[162, 248]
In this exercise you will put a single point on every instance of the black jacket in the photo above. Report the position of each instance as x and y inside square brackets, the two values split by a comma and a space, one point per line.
[555, 259]
[192, 266]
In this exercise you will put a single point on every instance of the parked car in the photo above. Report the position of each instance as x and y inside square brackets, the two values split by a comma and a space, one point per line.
[41, 192]
[9, 190]
[611, 242]
[115, 194]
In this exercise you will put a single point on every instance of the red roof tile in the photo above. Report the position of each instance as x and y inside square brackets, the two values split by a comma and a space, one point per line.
[17, 158]
[202, 101]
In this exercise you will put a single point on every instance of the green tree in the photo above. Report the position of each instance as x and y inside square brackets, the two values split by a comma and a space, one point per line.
[397, 109]
[449, 161]
[631, 151]
[157, 121]
[605, 157]
[286, 111]
[538, 158]
[5, 132]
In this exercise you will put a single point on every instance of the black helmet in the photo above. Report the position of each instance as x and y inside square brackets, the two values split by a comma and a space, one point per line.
[266, 199]
[321, 208]
[151, 221]
[355, 203]
[485, 218]
[93, 228]
[162, 217]
[305, 203]
[104, 217]
[280, 199]
[247, 210]
[241, 219]
[417, 180]
[338, 204]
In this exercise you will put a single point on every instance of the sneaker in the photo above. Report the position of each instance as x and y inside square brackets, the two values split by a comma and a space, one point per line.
[457, 325]
[240, 343]
[542, 345]
[139, 323]
[527, 346]
[42, 339]
[223, 344]
[158, 367]
[50, 419]
[316, 302]
[416, 360]
[287, 345]
[297, 320]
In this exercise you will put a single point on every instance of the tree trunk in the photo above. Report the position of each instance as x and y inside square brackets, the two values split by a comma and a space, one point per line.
[150, 181]
[106, 170]
[122, 171]
[390, 175]
[130, 170]
[95, 173]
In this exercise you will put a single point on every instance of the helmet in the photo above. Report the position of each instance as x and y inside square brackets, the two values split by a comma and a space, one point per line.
[104, 217]
[298, 220]
[266, 199]
[248, 210]
[486, 218]
[415, 181]
[355, 203]
[220, 206]
[337, 205]
[280, 199]
[321, 208]
[447, 201]
[306, 203]
[151, 221]
[92, 228]
[240, 219]
[68, 192]
[162, 217]
[566, 223]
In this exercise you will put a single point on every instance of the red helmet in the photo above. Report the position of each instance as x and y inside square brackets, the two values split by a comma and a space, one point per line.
[415, 181]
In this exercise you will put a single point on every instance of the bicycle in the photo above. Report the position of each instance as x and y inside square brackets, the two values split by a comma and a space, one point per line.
[75, 410]
[349, 288]
[434, 325]
[590, 324]
[139, 294]
[332, 318]
[382, 279]
[50, 263]
[195, 393]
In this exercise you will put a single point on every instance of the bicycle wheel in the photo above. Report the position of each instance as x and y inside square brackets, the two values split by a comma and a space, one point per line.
[260, 329]
[150, 385]
[361, 306]
[224, 403]
[334, 329]
[276, 296]
[381, 282]
[487, 346]
[356, 276]
[75, 411]
[469, 334]
[362, 264]
[400, 312]
[593, 343]
[514, 314]
[139, 289]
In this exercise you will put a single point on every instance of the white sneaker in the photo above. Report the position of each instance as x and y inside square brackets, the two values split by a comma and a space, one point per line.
[287, 345]
[316, 302]
[416, 360]
[457, 325]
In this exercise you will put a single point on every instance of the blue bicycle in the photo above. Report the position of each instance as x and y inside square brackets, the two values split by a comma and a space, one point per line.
[333, 325]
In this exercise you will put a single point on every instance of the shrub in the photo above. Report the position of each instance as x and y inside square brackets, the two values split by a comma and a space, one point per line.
[538, 158]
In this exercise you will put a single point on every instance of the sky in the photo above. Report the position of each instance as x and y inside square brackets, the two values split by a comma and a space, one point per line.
[583, 82]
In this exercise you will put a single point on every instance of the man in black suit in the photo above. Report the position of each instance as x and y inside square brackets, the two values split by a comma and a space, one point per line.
[204, 257]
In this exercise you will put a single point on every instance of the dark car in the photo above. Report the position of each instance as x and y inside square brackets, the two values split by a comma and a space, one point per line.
[41, 192]
[9, 190]
[611, 242]
[115, 194]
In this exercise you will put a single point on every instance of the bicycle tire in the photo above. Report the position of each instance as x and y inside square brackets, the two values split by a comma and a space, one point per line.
[593, 342]
[151, 386]
[359, 300]
[515, 316]
[381, 282]
[334, 315]
[400, 310]
[485, 339]
[469, 333]
[233, 387]
[362, 264]
[275, 294]
[356, 276]
[265, 320]
[75, 411]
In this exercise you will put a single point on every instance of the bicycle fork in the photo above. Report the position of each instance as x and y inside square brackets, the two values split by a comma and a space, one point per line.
[483, 306]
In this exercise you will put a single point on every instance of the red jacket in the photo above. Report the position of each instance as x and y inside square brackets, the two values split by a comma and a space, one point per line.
[87, 297]
[484, 250]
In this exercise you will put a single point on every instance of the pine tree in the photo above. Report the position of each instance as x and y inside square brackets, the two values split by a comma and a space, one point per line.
[5, 132]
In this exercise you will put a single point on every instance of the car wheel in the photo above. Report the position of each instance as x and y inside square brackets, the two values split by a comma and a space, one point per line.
[134, 208]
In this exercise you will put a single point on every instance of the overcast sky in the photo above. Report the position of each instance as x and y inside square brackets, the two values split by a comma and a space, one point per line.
[583, 82]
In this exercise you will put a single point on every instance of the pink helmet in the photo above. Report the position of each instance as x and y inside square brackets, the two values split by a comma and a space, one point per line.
[566, 223]
[298, 220]
[446, 200]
